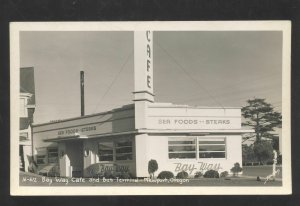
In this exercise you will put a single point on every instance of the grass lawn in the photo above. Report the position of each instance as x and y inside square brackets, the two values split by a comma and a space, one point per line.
[247, 179]
[261, 171]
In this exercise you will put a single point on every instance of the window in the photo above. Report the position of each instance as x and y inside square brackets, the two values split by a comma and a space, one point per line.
[106, 151]
[120, 149]
[124, 150]
[52, 155]
[182, 148]
[40, 159]
[211, 148]
[189, 147]
[41, 156]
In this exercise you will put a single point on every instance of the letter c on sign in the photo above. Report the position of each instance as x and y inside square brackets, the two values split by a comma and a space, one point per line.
[147, 35]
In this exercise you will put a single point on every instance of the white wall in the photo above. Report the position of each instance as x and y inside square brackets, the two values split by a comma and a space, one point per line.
[156, 147]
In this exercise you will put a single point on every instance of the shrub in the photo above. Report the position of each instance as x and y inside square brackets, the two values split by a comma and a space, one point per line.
[279, 159]
[263, 150]
[198, 175]
[182, 175]
[236, 169]
[165, 175]
[152, 167]
[224, 174]
[124, 175]
[211, 174]
[109, 174]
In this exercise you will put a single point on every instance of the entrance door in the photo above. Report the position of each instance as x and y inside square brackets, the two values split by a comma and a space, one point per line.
[75, 154]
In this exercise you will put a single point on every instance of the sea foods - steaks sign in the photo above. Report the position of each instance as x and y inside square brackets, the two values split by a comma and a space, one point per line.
[194, 123]
[81, 130]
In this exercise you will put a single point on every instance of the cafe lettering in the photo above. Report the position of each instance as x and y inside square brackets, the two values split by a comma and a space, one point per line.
[124, 139]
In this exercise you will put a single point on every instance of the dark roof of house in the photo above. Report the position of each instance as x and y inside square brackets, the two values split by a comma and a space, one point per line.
[27, 82]
[24, 123]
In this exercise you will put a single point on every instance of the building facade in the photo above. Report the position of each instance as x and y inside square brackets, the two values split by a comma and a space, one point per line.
[178, 137]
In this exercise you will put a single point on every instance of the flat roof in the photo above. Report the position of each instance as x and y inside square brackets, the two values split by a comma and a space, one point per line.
[124, 107]
[171, 105]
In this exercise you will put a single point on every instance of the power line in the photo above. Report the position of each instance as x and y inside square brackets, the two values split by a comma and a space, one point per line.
[187, 74]
[114, 80]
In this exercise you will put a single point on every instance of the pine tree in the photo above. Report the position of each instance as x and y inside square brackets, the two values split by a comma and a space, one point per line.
[261, 116]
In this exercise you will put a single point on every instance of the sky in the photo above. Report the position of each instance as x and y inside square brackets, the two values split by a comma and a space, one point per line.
[203, 68]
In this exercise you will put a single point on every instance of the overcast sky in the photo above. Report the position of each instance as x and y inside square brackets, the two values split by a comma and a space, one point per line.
[209, 68]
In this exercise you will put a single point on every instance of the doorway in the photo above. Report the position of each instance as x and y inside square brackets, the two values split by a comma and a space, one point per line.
[75, 154]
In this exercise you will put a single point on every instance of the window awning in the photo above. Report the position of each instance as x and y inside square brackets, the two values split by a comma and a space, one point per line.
[81, 137]
[66, 138]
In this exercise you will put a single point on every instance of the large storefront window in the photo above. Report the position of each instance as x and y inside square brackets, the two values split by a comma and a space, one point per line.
[189, 147]
[182, 148]
[40, 159]
[106, 151]
[52, 155]
[41, 156]
[123, 150]
[120, 149]
[211, 148]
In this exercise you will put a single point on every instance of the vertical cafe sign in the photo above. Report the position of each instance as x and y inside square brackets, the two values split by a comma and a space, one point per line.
[143, 64]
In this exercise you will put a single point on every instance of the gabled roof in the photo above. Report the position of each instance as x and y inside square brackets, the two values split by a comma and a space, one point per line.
[27, 82]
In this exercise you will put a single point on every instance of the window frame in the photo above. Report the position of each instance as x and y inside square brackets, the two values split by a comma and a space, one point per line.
[197, 139]
[98, 153]
[214, 151]
[41, 157]
[182, 152]
[115, 153]
[48, 155]
[41, 154]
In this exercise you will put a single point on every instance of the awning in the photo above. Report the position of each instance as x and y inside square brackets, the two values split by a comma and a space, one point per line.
[81, 137]
[66, 138]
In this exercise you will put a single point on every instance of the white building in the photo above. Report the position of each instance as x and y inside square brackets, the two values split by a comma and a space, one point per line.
[178, 137]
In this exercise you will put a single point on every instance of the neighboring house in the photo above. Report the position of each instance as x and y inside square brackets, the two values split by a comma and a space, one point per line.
[27, 107]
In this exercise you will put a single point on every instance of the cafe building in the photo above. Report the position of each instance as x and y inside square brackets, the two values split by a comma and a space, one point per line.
[178, 137]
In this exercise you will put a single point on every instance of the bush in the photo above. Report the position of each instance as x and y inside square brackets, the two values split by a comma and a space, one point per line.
[211, 174]
[124, 175]
[109, 174]
[236, 169]
[152, 167]
[182, 175]
[224, 174]
[198, 175]
[165, 175]
[263, 150]
[279, 159]
[114, 175]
